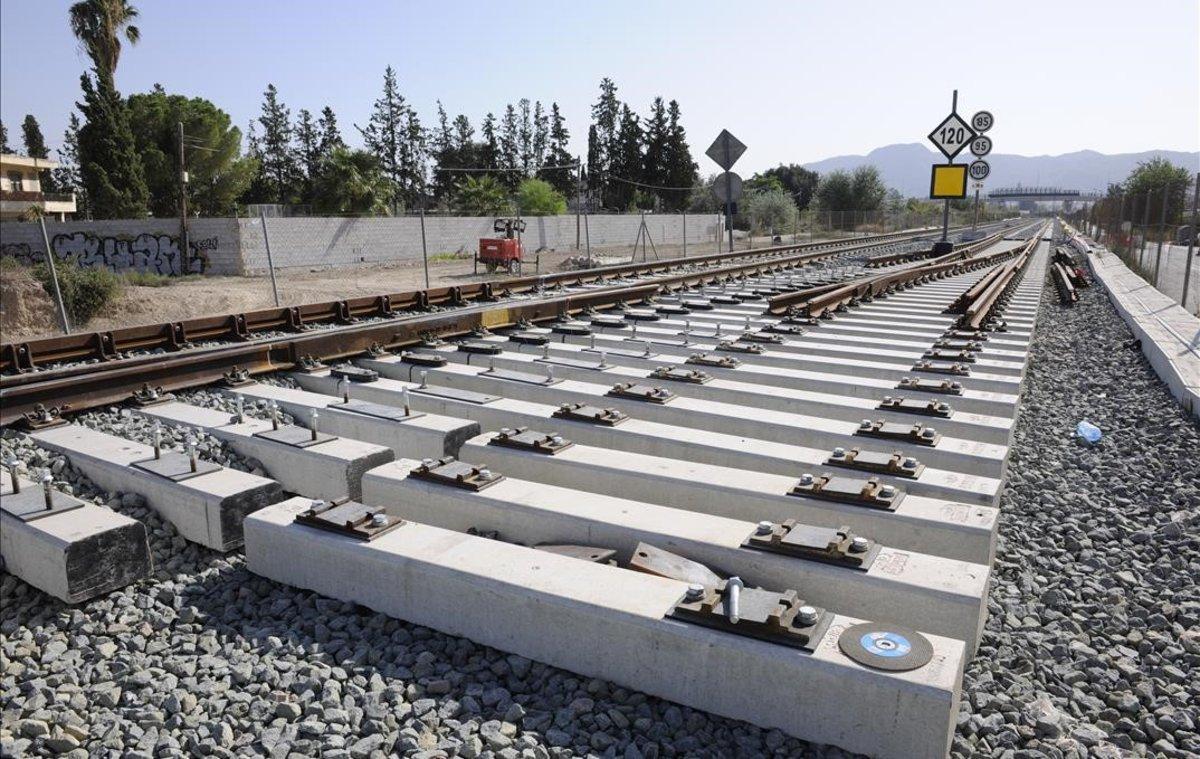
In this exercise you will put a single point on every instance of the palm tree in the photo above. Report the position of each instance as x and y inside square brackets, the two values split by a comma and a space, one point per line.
[99, 26]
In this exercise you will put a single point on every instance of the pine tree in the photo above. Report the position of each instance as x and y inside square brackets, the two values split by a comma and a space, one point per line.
[525, 140]
[443, 137]
[655, 168]
[330, 136]
[602, 139]
[66, 176]
[394, 135]
[463, 132]
[308, 155]
[278, 170]
[541, 135]
[108, 160]
[681, 169]
[626, 160]
[557, 154]
[510, 147]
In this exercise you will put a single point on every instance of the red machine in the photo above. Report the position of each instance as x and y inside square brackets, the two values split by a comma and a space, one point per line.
[503, 252]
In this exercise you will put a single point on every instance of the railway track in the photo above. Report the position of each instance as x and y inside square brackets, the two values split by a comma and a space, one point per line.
[746, 485]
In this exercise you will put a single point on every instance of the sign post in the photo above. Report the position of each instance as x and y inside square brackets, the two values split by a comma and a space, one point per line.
[726, 150]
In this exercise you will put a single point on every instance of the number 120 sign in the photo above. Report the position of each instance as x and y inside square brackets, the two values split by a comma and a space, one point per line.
[952, 135]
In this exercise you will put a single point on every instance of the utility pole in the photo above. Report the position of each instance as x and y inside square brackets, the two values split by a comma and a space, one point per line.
[1187, 268]
[184, 247]
[578, 198]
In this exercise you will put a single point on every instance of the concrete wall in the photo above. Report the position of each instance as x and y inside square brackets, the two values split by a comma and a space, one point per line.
[335, 241]
[236, 246]
[122, 244]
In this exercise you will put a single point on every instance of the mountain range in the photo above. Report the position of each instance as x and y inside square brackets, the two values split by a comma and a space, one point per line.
[905, 167]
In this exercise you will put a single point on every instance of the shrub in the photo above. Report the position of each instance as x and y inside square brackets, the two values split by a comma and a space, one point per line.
[85, 291]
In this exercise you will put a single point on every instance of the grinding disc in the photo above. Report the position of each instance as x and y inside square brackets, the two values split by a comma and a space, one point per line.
[886, 647]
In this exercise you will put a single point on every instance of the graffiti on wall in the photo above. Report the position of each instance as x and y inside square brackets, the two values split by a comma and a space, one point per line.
[146, 252]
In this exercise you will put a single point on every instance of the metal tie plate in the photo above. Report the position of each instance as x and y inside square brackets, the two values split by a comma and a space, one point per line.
[571, 328]
[763, 614]
[675, 374]
[423, 359]
[747, 295]
[958, 345]
[176, 467]
[869, 493]
[525, 439]
[454, 394]
[840, 547]
[30, 504]
[450, 471]
[529, 338]
[581, 412]
[351, 518]
[784, 329]
[940, 355]
[611, 322]
[942, 387]
[922, 408]
[376, 410]
[759, 337]
[526, 378]
[353, 373]
[729, 347]
[297, 437]
[574, 363]
[672, 309]
[706, 359]
[620, 352]
[698, 305]
[641, 315]
[636, 392]
[725, 300]
[895, 463]
[932, 367]
[480, 346]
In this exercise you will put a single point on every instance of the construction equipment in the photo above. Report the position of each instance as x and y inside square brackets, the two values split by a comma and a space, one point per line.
[503, 252]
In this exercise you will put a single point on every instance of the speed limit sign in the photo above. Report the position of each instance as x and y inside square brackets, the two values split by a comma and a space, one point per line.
[982, 121]
[981, 146]
[979, 170]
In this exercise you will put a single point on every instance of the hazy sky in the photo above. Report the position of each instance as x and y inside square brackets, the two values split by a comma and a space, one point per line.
[796, 81]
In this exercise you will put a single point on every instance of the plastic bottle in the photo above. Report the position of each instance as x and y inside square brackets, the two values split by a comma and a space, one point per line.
[1088, 431]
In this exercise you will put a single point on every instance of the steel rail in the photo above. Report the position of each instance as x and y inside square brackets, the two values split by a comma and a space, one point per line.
[19, 357]
[976, 315]
[815, 302]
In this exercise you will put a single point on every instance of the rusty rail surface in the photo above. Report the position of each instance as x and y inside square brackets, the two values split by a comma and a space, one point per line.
[19, 357]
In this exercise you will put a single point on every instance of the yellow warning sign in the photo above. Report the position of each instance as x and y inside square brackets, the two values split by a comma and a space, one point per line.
[948, 181]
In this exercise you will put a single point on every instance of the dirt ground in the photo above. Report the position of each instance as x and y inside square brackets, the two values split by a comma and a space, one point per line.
[27, 312]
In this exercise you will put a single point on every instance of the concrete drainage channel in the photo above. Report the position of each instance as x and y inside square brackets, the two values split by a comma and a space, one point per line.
[785, 521]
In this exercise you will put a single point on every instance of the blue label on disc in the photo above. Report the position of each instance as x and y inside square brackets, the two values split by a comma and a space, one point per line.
[887, 644]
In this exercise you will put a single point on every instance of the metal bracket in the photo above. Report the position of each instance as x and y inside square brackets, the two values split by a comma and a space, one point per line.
[147, 396]
[674, 374]
[922, 408]
[653, 560]
[529, 338]
[730, 347]
[459, 474]
[309, 364]
[297, 437]
[767, 615]
[697, 305]
[925, 365]
[671, 309]
[635, 392]
[353, 373]
[705, 359]
[839, 547]
[944, 387]
[525, 439]
[351, 518]
[43, 417]
[895, 463]
[176, 467]
[423, 359]
[917, 434]
[869, 492]
[31, 504]
[581, 412]
[480, 346]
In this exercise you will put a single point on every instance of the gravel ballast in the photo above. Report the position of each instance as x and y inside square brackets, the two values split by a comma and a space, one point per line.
[1091, 646]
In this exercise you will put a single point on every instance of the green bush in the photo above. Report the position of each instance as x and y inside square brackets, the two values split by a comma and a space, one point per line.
[539, 198]
[85, 291]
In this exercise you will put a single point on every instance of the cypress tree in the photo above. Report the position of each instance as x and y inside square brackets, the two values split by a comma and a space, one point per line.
[108, 160]
[681, 169]
[35, 147]
[278, 171]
